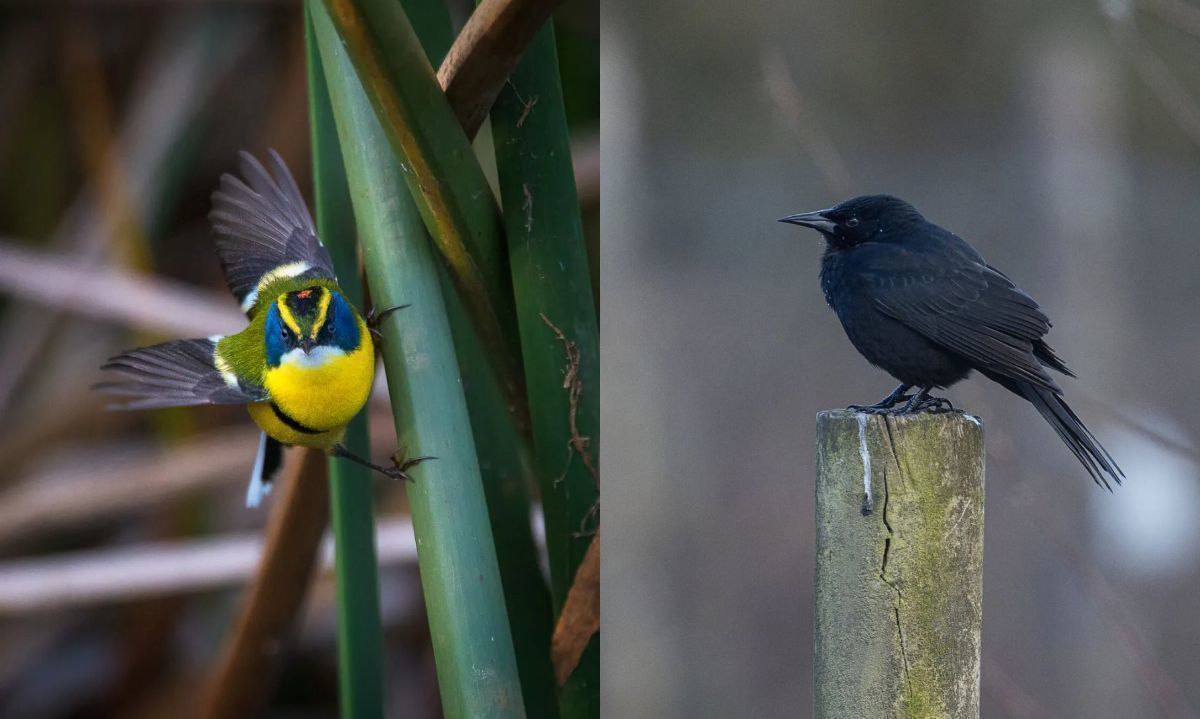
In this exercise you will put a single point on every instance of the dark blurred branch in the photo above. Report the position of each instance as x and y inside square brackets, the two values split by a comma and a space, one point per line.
[21, 69]
[1078, 562]
[176, 80]
[99, 146]
[1153, 71]
[1128, 419]
[101, 576]
[98, 490]
[585, 157]
[485, 53]
[790, 102]
[1003, 689]
[246, 673]
[91, 491]
[150, 304]
[1183, 16]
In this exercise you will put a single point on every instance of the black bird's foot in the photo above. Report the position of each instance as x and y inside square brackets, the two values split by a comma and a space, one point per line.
[923, 402]
[932, 405]
[375, 317]
[878, 408]
[402, 465]
[885, 405]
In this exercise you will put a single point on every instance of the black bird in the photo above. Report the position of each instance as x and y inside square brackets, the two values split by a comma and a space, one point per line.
[920, 303]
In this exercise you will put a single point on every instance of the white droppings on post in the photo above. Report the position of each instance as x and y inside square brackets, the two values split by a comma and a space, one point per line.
[866, 460]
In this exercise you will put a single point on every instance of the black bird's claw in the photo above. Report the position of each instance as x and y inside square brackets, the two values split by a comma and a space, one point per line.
[932, 405]
[883, 407]
[374, 318]
[398, 470]
[402, 465]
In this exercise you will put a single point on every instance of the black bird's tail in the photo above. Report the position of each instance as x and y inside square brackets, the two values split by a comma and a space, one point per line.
[1078, 438]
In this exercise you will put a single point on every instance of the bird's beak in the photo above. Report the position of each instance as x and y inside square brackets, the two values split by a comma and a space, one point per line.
[816, 220]
[307, 344]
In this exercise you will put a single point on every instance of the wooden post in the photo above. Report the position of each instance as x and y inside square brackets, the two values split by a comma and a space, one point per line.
[899, 578]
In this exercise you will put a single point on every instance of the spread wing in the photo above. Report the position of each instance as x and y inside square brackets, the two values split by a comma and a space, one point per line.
[175, 374]
[263, 229]
[964, 306]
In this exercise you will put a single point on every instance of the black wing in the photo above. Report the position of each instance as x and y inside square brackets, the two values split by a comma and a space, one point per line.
[975, 311]
[262, 224]
[175, 374]
[964, 306]
[1044, 352]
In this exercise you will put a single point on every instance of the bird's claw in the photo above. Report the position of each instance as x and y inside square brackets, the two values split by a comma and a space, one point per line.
[375, 317]
[887, 404]
[402, 465]
[884, 407]
[930, 405]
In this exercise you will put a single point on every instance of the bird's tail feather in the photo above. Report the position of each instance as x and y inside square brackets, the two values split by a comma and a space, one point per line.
[266, 466]
[1078, 438]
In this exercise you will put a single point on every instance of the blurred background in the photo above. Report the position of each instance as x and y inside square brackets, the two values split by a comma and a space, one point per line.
[124, 541]
[1063, 141]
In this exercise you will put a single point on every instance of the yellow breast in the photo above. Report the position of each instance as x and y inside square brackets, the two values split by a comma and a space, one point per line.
[320, 392]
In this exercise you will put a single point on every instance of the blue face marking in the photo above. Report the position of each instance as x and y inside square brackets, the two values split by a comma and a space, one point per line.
[277, 344]
[341, 327]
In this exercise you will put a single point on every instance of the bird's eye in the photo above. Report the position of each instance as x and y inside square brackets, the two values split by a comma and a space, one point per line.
[852, 222]
[283, 332]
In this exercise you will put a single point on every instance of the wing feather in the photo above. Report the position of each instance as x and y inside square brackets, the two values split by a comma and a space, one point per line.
[968, 308]
[262, 224]
[175, 374]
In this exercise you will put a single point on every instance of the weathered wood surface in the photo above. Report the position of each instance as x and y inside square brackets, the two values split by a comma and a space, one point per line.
[899, 579]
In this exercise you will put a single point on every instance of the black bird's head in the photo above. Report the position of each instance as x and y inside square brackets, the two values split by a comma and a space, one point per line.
[869, 218]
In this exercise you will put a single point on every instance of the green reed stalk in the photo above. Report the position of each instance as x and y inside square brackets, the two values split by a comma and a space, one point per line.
[360, 635]
[473, 649]
[558, 325]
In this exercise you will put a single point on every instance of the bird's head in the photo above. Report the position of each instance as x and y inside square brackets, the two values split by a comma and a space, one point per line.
[309, 326]
[869, 218]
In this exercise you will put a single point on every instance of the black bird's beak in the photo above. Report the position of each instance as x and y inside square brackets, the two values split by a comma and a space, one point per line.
[816, 220]
[307, 344]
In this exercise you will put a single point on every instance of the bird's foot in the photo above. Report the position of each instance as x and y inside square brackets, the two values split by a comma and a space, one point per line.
[931, 405]
[398, 470]
[402, 465]
[880, 407]
[376, 317]
[887, 404]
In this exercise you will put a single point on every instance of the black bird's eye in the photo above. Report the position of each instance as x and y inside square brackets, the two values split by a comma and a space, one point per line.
[283, 332]
[852, 222]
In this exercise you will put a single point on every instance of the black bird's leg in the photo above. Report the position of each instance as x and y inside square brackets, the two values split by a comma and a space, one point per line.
[886, 403]
[398, 471]
[374, 318]
[922, 402]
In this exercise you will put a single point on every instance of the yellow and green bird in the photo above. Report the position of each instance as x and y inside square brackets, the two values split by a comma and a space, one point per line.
[305, 364]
